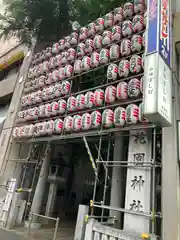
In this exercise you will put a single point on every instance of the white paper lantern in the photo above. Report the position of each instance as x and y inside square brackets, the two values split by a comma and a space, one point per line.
[118, 15]
[78, 66]
[65, 88]
[135, 64]
[95, 59]
[55, 48]
[68, 71]
[132, 114]
[55, 75]
[134, 88]
[68, 124]
[81, 50]
[61, 74]
[67, 43]
[35, 113]
[141, 84]
[62, 106]
[104, 56]
[124, 68]
[122, 91]
[61, 44]
[108, 118]
[86, 63]
[50, 127]
[96, 119]
[89, 46]
[49, 79]
[51, 92]
[116, 33]
[30, 99]
[107, 38]
[58, 59]
[40, 69]
[125, 47]
[39, 96]
[99, 97]
[41, 129]
[139, 6]
[127, 28]
[58, 126]
[91, 29]
[74, 38]
[119, 117]
[71, 104]
[83, 34]
[45, 67]
[41, 81]
[136, 43]
[42, 111]
[64, 59]
[80, 102]
[15, 133]
[138, 23]
[71, 54]
[108, 20]
[31, 130]
[114, 52]
[55, 108]
[77, 123]
[57, 90]
[128, 9]
[110, 94]
[89, 100]
[86, 121]
[52, 63]
[99, 25]
[112, 72]
[142, 117]
[48, 110]
[97, 41]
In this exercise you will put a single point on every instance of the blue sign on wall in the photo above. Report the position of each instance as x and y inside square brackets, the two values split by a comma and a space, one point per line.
[165, 30]
[152, 35]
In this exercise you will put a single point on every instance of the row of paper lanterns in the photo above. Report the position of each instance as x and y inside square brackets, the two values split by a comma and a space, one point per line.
[107, 119]
[127, 47]
[124, 89]
[125, 68]
[96, 27]
[121, 92]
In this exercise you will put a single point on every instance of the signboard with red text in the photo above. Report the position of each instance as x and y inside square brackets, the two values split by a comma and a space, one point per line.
[158, 77]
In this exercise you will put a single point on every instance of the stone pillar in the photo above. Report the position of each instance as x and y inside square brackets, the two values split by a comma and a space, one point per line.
[138, 182]
[43, 176]
[117, 193]
[51, 199]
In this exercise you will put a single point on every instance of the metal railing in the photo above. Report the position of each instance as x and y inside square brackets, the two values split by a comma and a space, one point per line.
[43, 216]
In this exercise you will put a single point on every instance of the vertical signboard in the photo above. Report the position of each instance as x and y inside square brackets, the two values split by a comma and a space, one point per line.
[138, 182]
[158, 77]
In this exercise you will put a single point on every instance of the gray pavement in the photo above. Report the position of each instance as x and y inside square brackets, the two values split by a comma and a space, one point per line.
[11, 235]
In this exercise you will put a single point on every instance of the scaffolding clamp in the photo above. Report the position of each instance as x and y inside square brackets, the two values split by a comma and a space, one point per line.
[91, 206]
[145, 236]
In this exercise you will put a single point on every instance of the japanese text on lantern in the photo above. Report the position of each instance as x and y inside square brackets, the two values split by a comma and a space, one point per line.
[164, 35]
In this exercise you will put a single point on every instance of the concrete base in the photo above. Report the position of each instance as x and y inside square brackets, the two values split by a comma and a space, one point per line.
[33, 225]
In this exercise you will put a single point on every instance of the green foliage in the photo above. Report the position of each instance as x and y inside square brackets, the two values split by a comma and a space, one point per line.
[89, 10]
[48, 20]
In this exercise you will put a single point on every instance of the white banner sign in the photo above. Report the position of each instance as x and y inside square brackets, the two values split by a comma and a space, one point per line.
[157, 91]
